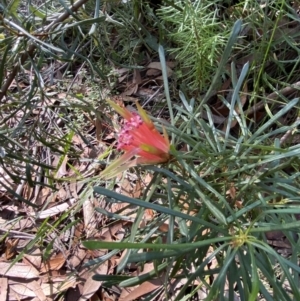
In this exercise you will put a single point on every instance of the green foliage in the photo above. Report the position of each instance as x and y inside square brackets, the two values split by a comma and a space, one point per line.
[220, 200]
[198, 37]
[230, 183]
[218, 210]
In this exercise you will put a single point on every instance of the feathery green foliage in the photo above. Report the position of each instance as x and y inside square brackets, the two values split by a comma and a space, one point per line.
[198, 36]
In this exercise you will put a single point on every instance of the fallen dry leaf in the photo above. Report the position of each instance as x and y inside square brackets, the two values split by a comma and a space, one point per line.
[11, 249]
[130, 90]
[50, 289]
[137, 79]
[153, 72]
[54, 288]
[62, 194]
[78, 256]
[231, 191]
[36, 288]
[34, 258]
[130, 189]
[53, 264]
[62, 171]
[41, 197]
[144, 288]
[90, 285]
[3, 288]
[99, 128]
[90, 222]
[157, 65]
[55, 209]
[20, 270]
[123, 74]
[27, 191]
[109, 233]
[69, 282]
[22, 288]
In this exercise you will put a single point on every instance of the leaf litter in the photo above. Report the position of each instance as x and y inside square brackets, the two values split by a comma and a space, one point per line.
[53, 262]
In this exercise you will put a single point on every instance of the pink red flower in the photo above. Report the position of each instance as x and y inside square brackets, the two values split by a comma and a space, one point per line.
[140, 141]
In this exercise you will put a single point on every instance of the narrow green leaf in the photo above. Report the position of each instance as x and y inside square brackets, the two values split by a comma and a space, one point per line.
[125, 199]
[272, 120]
[142, 278]
[216, 80]
[97, 245]
[13, 8]
[166, 83]
[37, 12]
[266, 227]
[33, 38]
[254, 275]
[114, 278]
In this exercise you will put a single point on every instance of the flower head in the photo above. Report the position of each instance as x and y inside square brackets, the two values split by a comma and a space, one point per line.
[140, 140]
